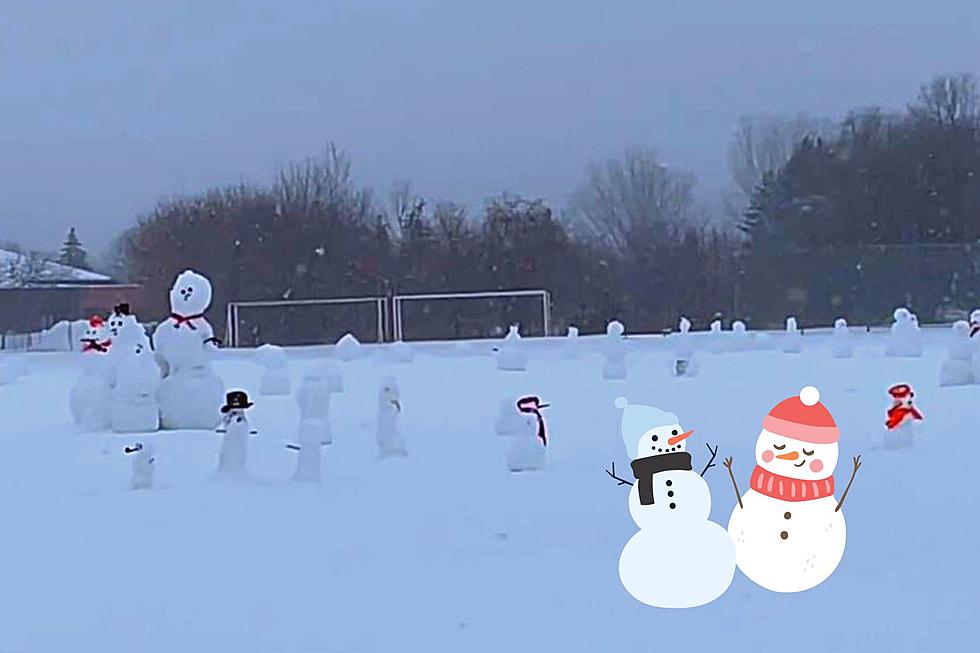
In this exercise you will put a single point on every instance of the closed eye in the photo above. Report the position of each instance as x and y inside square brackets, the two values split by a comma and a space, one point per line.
[779, 447]
[807, 453]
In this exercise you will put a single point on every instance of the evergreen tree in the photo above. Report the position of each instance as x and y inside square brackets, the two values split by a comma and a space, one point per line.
[72, 252]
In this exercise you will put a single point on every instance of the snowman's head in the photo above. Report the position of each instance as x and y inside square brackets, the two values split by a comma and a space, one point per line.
[799, 438]
[126, 330]
[615, 329]
[902, 315]
[840, 324]
[388, 392]
[95, 329]
[649, 431]
[738, 326]
[191, 294]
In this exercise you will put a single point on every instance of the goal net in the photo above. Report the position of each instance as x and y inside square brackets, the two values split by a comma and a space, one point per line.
[455, 316]
[305, 321]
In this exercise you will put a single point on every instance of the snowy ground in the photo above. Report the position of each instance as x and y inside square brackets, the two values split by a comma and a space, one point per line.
[446, 550]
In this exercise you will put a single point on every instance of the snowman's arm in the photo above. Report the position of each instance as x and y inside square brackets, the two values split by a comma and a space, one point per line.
[738, 495]
[622, 481]
[857, 465]
[711, 463]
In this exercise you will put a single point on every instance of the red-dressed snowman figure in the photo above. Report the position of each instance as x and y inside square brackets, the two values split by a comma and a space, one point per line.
[95, 340]
[902, 411]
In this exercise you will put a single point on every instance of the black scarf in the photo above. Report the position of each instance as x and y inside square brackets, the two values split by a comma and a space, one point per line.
[645, 468]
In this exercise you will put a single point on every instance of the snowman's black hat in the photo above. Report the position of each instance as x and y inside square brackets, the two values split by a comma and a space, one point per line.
[236, 399]
[122, 308]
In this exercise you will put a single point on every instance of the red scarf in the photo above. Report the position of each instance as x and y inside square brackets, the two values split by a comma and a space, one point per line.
[790, 489]
[93, 345]
[899, 414]
[185, 319]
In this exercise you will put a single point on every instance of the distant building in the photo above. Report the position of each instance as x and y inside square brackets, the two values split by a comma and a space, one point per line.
[35, 292]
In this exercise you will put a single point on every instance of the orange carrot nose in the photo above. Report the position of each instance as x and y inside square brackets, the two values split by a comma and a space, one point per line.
[792, 455]
[677, 438]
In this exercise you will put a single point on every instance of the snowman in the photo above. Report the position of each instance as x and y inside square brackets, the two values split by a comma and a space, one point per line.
[390, 441]
[191, 392]
[901, 422]
[904, 338]
[678, 559]
[233, 458]
[788, 528]
[89, 398]
[530, 437]
[957, 369]
[319, 382]
[134, 398]
[840, 341]
[143, 463]
[614, 352]
[683, 363]
[793, 340]
[716, 338]
[275, 379]
[511, 356]
[117, 319]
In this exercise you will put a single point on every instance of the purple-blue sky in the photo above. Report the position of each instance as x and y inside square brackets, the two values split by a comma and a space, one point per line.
[109, 105]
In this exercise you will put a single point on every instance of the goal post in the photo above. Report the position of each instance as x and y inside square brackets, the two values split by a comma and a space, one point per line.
[464, 315]
[305, 321]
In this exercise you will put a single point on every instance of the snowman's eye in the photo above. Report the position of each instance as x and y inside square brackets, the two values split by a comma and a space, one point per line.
[674, 432]
[807, 453]
[654, 438]
[780, 447]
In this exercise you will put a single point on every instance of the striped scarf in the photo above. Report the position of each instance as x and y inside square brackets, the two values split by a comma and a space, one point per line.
[790, 489]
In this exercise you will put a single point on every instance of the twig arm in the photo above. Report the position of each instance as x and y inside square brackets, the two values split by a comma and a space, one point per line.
[738, 495]
[711, 463]
[857, 466]
[622, 481]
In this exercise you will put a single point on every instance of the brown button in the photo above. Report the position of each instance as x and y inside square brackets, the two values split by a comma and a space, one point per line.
[787, 515]
[784, 535]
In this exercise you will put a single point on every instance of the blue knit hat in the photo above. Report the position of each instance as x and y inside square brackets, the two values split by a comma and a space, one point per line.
[637, 420]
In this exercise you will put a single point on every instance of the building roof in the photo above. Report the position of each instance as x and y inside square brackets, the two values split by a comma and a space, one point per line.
[22, 270]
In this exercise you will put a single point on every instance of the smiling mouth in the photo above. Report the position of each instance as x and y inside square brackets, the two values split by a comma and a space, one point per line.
[802, 462]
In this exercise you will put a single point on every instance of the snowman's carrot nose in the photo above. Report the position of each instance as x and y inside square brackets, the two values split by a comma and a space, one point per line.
[792, 455]
[677, 438]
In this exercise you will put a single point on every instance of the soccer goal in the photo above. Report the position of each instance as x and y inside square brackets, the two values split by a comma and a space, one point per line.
[306, 321]
[470, 315]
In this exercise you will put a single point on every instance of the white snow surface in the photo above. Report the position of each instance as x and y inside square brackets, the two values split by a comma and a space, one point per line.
[446, 550]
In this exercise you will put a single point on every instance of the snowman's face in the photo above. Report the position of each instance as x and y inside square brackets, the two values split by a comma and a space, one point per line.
[116, 323]
[795, 458]
[191, 294]
[388, 392]
[93, 332]
[663, 439]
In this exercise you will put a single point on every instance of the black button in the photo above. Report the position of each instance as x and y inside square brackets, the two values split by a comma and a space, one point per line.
[673, 505]
[784, 535]
[669, 483]
[787, 515]
[670, 493]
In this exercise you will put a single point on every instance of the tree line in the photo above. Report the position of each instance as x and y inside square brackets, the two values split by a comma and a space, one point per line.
[824, 220]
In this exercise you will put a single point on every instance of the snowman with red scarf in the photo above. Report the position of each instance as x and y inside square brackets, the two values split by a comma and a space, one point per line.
[191, 393]
[788, 528]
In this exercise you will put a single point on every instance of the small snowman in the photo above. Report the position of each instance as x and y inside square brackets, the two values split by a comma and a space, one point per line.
[233, 457]
[614, 352]
[313, 398]
[840, 341]
[572, 344]
[389, 438]
[957, 369]
[527, 451]
[96, 339]
[511, 356]
[134, 398]
[740, 337]
[275, 378]
[90, 398]
[144, 459]
[682, 363]
[508, 420]
[904, 338]
[348, 348]
[678, 559]
[716, 338]
[792, 340]
[902, 419]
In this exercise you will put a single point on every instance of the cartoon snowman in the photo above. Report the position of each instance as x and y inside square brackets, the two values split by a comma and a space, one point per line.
[788, 528]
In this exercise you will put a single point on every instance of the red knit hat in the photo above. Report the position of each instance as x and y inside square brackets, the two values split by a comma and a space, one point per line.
[803, 418]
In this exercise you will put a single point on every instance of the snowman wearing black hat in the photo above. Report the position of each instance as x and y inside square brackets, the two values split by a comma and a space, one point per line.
[234, 425]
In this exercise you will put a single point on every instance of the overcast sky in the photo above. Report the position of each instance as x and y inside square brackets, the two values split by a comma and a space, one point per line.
[109, 105]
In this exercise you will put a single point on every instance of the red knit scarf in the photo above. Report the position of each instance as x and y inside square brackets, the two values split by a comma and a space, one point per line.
[185, 319]
[790, 489]
[91, 344]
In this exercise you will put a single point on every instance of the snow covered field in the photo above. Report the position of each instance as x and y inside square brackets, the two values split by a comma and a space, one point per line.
[447, 550]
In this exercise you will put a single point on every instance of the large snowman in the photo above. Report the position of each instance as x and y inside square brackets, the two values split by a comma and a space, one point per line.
[191, 393]
[678, 559]
[788, 528]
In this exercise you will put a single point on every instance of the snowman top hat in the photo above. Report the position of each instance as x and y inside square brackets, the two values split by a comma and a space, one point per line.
[530, 404]
[803, 418]
[122, 308]
[236, 399]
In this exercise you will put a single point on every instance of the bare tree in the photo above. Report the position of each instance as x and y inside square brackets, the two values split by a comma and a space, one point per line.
[636, 192]
[322, 184]
[764, 143]
[948, 100]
